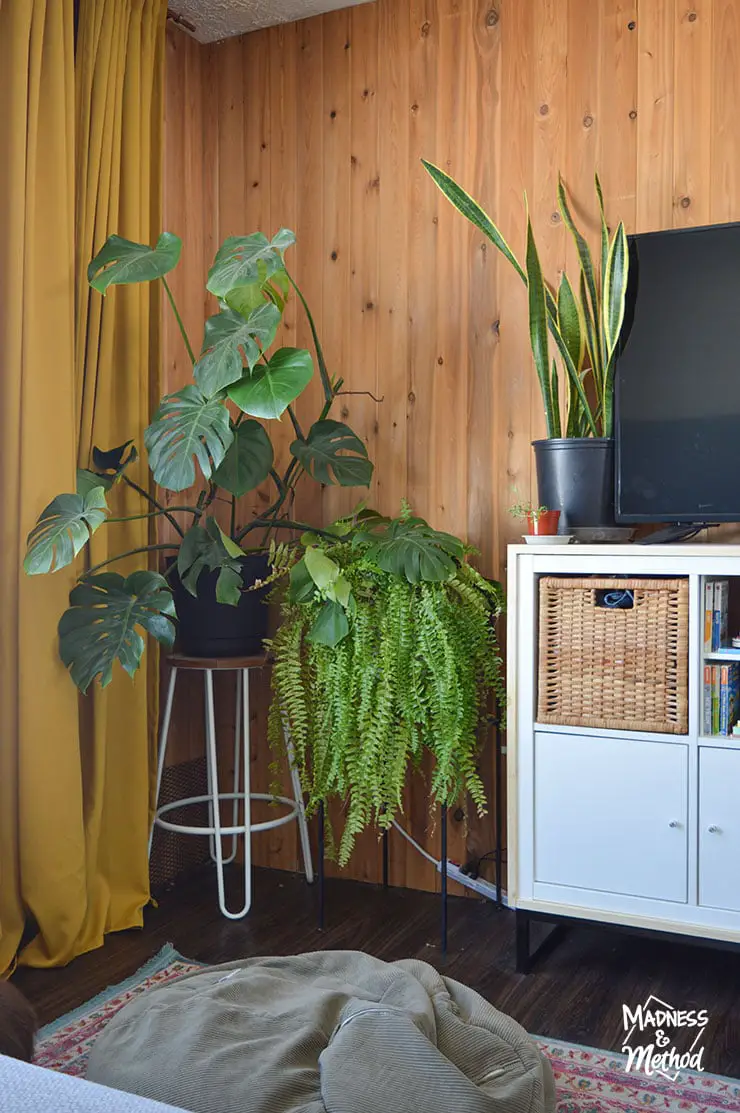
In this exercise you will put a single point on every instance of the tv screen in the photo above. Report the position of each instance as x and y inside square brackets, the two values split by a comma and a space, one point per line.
[678, 379]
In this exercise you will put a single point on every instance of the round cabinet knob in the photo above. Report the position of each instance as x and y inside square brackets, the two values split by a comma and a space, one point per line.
[674, 823]
[714, 829]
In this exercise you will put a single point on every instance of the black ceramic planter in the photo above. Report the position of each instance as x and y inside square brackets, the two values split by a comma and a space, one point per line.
[207, 628]
[575, 475]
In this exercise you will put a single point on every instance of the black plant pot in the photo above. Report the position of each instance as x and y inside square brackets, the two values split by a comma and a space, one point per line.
[207, 628]
[575, 475]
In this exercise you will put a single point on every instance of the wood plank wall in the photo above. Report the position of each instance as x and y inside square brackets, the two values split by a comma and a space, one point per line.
[320, 126]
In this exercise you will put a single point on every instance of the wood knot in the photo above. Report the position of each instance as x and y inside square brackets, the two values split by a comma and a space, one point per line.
[334, 256]
[588, 121]
[685, 202]
[440, 361]
[544, 109]
[692, 17]
[492, 17]
[369, 305]
[631, 25]
[633, 114]
[412, 396]
[425, 28]
[414, 108]
[555, 217]
[333, 114]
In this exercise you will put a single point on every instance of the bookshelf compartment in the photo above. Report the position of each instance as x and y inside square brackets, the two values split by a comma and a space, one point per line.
[613, 662]
[720, 663]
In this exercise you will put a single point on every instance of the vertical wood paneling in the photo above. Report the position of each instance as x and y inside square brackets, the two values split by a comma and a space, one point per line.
[693, 98]
[504, 94]
[656, 25]
[725, 142]
[617, 146]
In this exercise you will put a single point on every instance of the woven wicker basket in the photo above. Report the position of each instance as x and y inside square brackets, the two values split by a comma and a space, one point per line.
[609, 668]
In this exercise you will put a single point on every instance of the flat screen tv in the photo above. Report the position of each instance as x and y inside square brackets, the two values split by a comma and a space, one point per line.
[677, 382]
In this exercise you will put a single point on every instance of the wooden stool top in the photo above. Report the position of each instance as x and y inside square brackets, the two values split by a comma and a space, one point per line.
[180, 661]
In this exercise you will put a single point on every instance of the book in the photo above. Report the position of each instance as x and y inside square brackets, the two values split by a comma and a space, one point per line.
[719, 624]
[716, 699]
[730, 651]
[707, 701]
[708, 614]
[724, 697]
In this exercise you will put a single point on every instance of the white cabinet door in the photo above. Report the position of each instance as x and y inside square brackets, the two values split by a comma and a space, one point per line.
[719, 828]
[610, 815]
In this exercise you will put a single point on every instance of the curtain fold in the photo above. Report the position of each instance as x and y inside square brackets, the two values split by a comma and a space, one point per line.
[81, 142]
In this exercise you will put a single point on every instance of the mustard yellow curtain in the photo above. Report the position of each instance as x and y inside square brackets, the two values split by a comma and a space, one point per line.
[118, 164]
[81, 157]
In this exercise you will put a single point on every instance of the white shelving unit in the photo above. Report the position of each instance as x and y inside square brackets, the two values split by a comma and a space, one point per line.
[630, 828]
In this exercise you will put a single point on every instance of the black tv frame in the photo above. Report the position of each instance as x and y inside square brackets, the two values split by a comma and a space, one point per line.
[678, 529]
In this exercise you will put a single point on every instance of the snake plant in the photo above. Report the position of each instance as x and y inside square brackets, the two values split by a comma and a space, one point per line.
[583, 320]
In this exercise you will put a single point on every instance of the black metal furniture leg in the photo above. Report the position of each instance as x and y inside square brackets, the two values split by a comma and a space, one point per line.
[499, 817]
[443, 865]
[523, 956]
[321, 867]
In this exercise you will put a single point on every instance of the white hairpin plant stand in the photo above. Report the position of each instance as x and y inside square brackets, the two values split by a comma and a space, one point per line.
[241, 790]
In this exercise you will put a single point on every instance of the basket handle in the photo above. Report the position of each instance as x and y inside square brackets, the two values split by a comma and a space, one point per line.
[611, 599]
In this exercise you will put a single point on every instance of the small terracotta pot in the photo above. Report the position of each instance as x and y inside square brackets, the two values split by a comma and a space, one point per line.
[546, 525]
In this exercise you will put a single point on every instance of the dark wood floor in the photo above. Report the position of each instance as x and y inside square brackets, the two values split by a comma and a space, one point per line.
[576, 993]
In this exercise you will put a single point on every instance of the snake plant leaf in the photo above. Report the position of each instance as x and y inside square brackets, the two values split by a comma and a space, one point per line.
[333, 454]
[330, 626]
[121, 262]
[63, 528]
[469, 208]
[410, 548]
[102, 624]
[247, 462]
[230, 341]
[587, 268]
[615, 291]
[243, 260]
[604, 227]
[207, 548]
[571, 323]
[538, 329]
[272, 386]
[186, 425]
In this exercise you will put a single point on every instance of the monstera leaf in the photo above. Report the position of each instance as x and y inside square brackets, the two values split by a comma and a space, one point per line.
[273, 385]
[100, 626]
[229, 341]
[412, 549]
[244, 260]
[63, 528]
[332, 453]
[109, 466]
[247, 462]
[187, 425]
[244, 299]
[206, 548]
[120, 262]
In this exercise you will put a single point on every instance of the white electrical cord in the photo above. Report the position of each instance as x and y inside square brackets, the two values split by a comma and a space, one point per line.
[429, 857]
[461, 878]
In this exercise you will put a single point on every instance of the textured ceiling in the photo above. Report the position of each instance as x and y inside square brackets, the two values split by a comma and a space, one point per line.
[220, 19]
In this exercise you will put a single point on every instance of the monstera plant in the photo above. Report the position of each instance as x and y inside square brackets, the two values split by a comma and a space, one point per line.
[212, 435]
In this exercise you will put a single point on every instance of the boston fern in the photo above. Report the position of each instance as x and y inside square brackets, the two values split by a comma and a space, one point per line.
[387, 648]
[210, 434]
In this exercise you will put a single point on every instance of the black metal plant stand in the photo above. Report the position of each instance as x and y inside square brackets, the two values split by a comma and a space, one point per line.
[496, 854]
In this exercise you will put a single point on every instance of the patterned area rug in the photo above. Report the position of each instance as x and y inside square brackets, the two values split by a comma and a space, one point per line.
[588, 1081]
